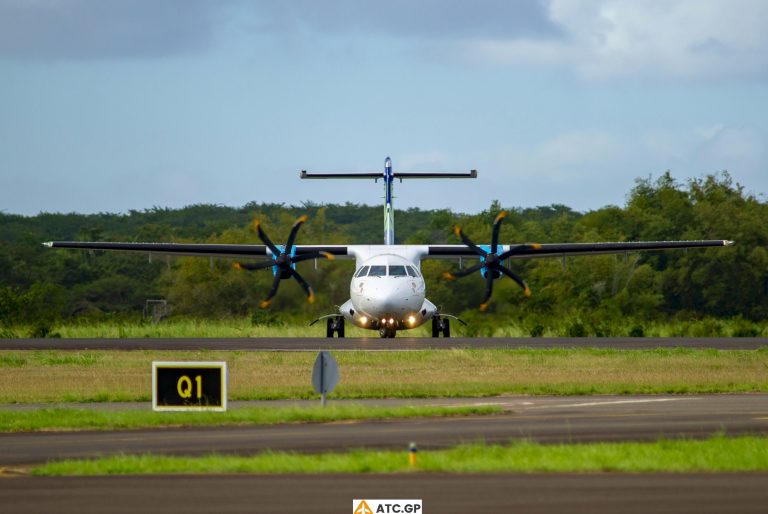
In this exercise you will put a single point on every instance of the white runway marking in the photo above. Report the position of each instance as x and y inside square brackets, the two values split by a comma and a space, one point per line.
[613, 402]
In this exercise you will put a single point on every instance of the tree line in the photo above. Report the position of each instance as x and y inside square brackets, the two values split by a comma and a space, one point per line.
[39, 284]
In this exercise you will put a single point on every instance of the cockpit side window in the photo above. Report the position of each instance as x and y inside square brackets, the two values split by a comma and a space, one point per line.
[362, 271]
[397, 271]
[412, 271]
[378, 271]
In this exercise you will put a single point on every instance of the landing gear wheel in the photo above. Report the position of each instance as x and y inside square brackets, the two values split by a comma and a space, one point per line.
[441, 325]
[334, 325]
[387, 332]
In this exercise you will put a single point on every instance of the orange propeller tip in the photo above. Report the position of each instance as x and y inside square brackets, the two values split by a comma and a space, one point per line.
[500, 216]
[265, 303]
[484, 306]
[311, 298]
[447, 275]
[256, 224]
[328, 255]
[302, 218]
[236, 265]
[527, 291]
[536, 246]
[457, 230]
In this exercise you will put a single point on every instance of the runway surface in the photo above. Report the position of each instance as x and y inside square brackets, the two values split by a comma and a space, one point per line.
[378, 344]
[441, 493]
[546, 419]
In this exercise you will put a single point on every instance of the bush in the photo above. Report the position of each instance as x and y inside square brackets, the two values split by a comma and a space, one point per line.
[537, 330]
[745, 331]
[637, 331]
[577, 329]
[7, 333]
[42, 330]
[264, 317]
[706, 328]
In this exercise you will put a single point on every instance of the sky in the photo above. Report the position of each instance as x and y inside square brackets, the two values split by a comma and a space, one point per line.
[111, 106]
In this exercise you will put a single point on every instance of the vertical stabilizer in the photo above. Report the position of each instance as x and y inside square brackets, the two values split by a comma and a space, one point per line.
[389, 211]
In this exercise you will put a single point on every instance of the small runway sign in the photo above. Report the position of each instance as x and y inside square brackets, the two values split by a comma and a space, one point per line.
[325, 374]
[189, 386]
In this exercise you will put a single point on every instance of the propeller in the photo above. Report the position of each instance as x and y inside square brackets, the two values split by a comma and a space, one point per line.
[283, 261]
[491, 261]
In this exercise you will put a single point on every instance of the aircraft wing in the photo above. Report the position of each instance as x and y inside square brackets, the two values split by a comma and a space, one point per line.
[238, 251]
[568, 249]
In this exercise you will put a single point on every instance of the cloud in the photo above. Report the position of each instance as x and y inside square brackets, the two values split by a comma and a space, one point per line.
[88, 29]
[444, 19]
[615, 38]
[582, 167]
[595, 39]
[569, 157]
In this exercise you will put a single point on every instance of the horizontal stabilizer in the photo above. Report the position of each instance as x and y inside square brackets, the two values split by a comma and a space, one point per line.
[396, 175]
[378, 175]
[471, 174]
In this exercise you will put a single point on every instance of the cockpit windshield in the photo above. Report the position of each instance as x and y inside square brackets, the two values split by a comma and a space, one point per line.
[397, 271]
[377, 271]
[381, 271]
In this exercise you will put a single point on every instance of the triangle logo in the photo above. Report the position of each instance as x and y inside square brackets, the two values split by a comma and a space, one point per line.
[363, 508]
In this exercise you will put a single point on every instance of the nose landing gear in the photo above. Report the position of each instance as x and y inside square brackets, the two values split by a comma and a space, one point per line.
[387, 332]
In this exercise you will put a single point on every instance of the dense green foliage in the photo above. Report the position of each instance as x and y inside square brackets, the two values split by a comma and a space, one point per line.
[40, 287]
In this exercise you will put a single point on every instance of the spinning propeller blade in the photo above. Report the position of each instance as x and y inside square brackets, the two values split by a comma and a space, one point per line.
[492, 263]
[284, 262]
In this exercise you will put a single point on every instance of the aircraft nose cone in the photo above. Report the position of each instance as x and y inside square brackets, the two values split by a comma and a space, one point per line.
[387, 162]
[396, 301]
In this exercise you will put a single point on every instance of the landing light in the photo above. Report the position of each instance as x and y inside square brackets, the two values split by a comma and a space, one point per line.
[411, 319]
[391, 321]
[363, 320]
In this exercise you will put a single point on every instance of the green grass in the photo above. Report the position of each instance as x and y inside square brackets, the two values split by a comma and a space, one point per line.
[99, 376]
[718, 454]
[88, 419]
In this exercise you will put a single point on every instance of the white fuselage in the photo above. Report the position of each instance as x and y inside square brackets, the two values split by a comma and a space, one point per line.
[387, 290]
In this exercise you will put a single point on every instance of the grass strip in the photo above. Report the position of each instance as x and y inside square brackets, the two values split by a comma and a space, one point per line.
[717, 454]
[99, 376]
[88, 419]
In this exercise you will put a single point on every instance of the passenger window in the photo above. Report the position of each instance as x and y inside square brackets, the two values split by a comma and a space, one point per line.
[362, 271]
[397, 271]
[377, 271]
[412, 271]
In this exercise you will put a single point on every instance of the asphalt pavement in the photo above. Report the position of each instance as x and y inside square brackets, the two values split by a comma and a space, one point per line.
[545, 419]
[378, 344]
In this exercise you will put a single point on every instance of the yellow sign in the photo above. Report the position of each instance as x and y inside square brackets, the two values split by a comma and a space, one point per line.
[189, 386]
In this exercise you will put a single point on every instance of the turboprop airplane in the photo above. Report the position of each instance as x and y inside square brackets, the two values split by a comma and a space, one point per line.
[387, 291]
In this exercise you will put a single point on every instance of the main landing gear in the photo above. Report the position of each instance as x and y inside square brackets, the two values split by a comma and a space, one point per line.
[334, 325]
[441, 325]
